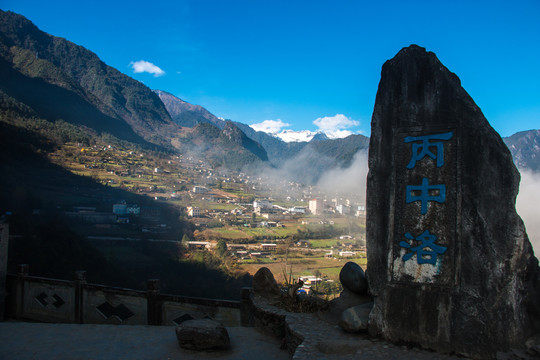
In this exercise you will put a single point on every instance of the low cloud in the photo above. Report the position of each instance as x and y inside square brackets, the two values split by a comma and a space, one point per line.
[270, 126]
[350, 180]
[527, 206]
[142, 66]
[335, 126]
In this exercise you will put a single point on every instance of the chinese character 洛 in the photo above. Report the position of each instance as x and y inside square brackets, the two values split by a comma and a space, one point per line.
[423, 256]
[424, 196]
[419, 151]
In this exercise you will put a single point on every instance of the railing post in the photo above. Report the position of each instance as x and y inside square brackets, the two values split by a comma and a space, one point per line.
[80, 281]
[22, 273]
[153, 304]
[246, 307]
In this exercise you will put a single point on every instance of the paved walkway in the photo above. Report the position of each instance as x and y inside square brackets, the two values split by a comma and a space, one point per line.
[329, 342]
[24, 341]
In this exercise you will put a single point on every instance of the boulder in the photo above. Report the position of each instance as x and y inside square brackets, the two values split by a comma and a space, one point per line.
[356, 318]
[450, 265]
[347, 299]
[353, 278]
[265, 284]
[202, 334]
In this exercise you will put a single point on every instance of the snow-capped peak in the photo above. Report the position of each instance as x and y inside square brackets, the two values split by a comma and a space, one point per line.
[295, 136]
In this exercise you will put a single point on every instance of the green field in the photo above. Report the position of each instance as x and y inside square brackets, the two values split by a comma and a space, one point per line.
[323, 243]
[235, 233]
[304, 266]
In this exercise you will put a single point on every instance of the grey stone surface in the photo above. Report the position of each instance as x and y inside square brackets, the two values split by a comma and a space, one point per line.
[339, 346]
[352, 277]
[202, 334]
[356, 318]
[314, 338]
[35, 341]
[478, 293]
[346, 299]
[265, 284]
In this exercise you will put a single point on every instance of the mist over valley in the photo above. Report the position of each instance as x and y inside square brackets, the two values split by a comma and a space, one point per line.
[141, 184]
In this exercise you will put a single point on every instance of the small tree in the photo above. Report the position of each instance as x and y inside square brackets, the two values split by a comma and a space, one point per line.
[221, 248]
[184, 246]
[185, 240]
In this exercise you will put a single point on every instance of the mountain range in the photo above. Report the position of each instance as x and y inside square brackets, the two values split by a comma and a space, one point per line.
[47, 81]
[525, 149]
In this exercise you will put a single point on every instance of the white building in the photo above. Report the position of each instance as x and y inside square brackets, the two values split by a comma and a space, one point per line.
[310, 280]
[262, 204]
[193, 211]
[297, 210]
[343, 209]
[316, 206]
[360, 211]
[270, 247]
[200, 190]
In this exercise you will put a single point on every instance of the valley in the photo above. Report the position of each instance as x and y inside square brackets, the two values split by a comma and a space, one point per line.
[102, 173]
[283, 236]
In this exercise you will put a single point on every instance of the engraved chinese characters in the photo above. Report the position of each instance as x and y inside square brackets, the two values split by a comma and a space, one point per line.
[449, 262]
[425, 216]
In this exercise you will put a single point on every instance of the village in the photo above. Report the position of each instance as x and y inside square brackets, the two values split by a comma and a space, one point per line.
[294, 229]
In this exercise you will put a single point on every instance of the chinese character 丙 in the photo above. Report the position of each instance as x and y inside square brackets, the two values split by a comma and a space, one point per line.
[419, 151]
[424, 196]
[423, 256]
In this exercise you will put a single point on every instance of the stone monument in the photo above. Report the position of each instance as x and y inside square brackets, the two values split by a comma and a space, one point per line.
[450, 265]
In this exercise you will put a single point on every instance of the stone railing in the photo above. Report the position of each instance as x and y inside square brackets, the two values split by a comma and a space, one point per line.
[61, 301]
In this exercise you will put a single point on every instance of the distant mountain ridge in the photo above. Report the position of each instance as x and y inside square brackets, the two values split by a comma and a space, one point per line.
[50, 78]
[71, 83]
[525, 149]
[43, 77]
[339, 151]
[524, 145]
[186, 114]
[228, 147]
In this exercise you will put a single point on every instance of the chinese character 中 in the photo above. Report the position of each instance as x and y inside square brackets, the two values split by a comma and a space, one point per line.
[424, 196]
[422, 256]
[419, 151]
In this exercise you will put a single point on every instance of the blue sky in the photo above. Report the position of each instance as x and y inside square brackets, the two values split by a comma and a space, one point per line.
[304, 62]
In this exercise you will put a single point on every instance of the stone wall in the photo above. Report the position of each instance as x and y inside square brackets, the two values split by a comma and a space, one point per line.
[60, 301]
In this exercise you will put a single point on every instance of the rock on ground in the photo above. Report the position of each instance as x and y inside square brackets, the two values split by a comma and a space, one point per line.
[356, 318]
[202, 334]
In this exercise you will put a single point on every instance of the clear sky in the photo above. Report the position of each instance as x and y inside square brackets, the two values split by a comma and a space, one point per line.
[304, 62]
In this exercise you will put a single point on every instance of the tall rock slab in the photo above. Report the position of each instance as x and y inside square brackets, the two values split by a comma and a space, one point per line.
[450, 265]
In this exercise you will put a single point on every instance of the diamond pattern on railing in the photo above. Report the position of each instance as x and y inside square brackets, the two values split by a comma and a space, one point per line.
[42, 299]
[121, 311]
[59, 302]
